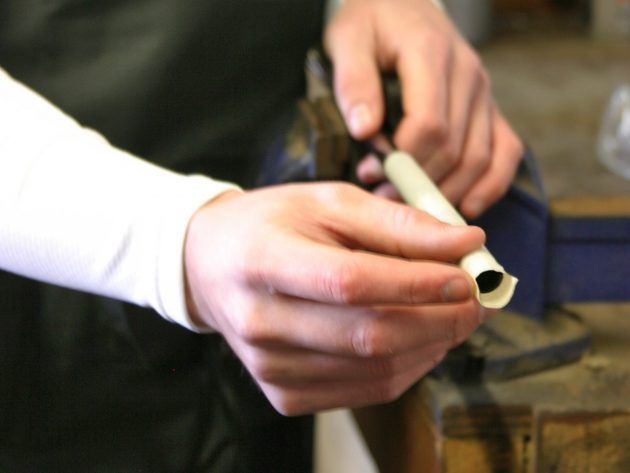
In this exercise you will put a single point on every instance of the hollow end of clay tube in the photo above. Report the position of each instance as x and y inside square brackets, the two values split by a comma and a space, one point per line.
[495, 287]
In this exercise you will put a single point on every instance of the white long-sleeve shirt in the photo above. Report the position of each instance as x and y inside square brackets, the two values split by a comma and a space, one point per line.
[77, 212]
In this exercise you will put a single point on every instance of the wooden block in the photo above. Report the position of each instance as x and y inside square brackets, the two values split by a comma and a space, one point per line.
[583, 442]
[486, 439]
[572, 419]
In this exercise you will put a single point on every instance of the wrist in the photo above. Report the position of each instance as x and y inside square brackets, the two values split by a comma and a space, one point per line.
[195, 236]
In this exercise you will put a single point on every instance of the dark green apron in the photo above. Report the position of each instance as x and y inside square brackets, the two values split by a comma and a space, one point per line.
[88, 384]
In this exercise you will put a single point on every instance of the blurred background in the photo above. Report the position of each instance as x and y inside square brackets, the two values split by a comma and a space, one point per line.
[555, 65]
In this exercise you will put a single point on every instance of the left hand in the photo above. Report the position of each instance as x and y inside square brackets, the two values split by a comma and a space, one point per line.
[330, 296]
[450, 123]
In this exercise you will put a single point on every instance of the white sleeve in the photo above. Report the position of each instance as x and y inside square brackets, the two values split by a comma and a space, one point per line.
[79, 213]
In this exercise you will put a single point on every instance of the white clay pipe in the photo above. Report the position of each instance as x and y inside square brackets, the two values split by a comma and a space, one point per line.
[495, 286]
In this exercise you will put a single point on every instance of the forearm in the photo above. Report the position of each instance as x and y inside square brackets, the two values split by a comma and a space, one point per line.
[77, 212]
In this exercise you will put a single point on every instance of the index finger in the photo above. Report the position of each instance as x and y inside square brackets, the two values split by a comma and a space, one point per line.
[337, 275]
[424, 76]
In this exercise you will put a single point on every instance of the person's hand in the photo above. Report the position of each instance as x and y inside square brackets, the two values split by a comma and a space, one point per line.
[450, 124]
[329, 295]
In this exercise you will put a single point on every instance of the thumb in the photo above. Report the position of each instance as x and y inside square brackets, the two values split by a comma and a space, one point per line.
[357, 81]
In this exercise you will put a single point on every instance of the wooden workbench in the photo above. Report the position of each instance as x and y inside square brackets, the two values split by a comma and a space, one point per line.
[571, 419]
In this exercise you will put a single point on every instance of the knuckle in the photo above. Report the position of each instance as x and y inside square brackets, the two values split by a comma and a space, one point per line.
[404, 216]
[412, 290]
[418, 290]
[433, 129]
[418, 45]
[251, 328]
[473, 67]
[450, 155]
[435, 42]
[478, 160]
[332, 194]
[359, 340]
[344, 284]
[250, 266]
[368, 341]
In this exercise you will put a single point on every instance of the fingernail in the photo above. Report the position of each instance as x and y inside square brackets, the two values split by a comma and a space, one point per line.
[360, 119]
[456, 290]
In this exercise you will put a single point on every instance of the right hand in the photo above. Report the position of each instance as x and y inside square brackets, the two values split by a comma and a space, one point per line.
[450, 122]
[330, 296]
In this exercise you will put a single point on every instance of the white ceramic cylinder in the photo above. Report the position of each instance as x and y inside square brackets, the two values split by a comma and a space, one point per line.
[495, 287]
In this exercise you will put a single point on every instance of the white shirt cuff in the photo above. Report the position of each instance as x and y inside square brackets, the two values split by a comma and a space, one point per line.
[77, 212]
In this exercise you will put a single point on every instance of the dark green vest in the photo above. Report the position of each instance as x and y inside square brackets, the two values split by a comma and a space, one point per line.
[93, 385]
